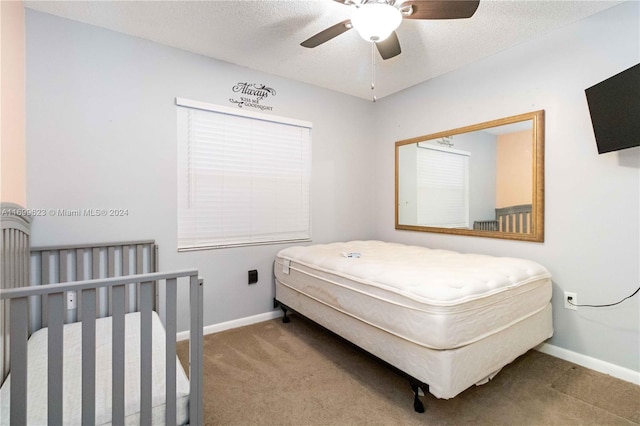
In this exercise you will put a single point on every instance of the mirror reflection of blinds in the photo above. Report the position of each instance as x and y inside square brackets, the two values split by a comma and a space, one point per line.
[443, 187]
[242, 180]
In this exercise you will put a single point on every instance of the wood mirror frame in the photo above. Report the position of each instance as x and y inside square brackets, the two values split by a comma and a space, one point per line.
[518, 222]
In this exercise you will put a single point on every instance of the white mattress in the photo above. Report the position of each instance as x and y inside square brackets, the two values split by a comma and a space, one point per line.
[436, 299]
[72, 366]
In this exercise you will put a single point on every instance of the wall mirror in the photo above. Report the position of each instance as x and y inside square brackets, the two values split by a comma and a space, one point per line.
[484, 180]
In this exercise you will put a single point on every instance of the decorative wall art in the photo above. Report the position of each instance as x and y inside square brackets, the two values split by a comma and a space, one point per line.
[252, 95]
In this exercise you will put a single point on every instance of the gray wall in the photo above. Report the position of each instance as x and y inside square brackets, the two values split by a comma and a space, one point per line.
[101, 133]
[592, 242]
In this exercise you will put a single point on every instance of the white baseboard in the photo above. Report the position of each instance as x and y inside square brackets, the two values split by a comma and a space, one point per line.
[240, 322]
[613, 370]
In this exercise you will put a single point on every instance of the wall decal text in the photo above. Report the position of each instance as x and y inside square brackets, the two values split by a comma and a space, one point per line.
[251, 95]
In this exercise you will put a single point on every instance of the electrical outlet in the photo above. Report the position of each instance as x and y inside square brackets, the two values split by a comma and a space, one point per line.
[72, 302]
[574, 300]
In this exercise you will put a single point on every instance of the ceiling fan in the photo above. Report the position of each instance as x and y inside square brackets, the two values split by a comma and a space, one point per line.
[377, 20]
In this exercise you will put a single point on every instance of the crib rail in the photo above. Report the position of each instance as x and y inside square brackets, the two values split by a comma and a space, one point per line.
[77, 262]
[55, 296]
[515, 218]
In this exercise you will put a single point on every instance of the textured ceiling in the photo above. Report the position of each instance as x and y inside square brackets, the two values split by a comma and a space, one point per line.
[265, 35]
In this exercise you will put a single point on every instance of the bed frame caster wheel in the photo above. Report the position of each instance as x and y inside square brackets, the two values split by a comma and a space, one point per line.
[417, 404]
[285, 319]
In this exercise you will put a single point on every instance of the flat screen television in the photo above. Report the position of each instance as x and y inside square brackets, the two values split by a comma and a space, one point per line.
[614, 105]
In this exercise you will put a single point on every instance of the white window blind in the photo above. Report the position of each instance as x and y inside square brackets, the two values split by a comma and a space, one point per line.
[243, 177]
[443, 187]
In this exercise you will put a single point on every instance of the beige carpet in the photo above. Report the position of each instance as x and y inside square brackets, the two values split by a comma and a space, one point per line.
[300, 374]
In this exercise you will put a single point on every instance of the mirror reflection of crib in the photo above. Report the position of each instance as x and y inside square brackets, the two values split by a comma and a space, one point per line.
[515, 219]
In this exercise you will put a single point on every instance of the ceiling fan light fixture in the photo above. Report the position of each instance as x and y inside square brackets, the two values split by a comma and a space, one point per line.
[376, 21]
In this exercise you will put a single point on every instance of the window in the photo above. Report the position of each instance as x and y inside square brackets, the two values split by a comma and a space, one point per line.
[443, 187]
[243, 177]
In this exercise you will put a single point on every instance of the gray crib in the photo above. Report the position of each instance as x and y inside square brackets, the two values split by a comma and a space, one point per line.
[87, 289]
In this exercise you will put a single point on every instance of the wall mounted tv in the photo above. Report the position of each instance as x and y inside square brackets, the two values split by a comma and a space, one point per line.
[614, 105]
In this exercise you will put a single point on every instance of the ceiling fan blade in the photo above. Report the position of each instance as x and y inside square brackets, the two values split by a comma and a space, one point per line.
[328, 34]
[439, 9]
[389, 47]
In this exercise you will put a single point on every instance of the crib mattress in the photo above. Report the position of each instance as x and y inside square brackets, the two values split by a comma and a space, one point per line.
[436, 299]
[72, 375]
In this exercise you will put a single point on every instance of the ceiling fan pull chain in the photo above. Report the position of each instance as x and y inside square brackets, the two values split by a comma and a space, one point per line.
[373, 70]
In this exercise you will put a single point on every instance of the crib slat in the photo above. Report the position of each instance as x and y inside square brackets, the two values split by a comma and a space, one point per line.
[170, 348]
[20, 259]
[139, 270]
[17, 260]
[153, 267]
[125, 272]
[63, 276]
[11, 258]
[15, 257]
[79, 264]
[117, 356]
[19, 335]
[195, 350]
[11, 265]
[15, 236]
[26, 258]
[139, 259]
[111, 272]
[95, 262]
[111, 262]
[146, 306]
[6, 253]
[62, 265]
[88, 356]
[95, 273]
[45, 278]
[55, 334]
[79, 277]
